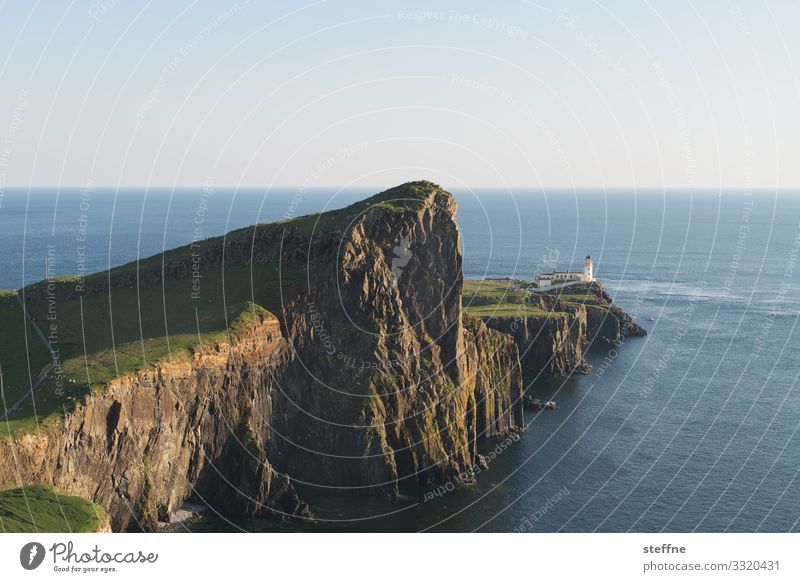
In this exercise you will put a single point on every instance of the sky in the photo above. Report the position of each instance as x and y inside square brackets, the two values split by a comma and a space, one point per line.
[513, 93]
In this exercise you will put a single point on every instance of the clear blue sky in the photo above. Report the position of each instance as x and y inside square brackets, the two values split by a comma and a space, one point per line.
[372, 93]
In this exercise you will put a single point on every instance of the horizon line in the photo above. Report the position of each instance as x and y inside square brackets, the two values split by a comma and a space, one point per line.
[759, 188]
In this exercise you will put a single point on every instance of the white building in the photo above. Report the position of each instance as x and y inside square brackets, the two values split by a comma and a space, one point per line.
[546, 280]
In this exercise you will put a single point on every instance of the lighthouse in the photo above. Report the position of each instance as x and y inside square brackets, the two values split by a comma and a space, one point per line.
[588, 274]
[564, 278]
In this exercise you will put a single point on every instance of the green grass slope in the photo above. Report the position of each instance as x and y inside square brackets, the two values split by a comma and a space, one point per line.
[500, 298]
[40, 508]
[129, 321]
[23, 354]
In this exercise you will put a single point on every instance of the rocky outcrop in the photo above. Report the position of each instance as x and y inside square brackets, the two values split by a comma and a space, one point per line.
[369, 377]
[390, 384]
[549, 345]
[495, 377]
[605, 319]
[553, 344]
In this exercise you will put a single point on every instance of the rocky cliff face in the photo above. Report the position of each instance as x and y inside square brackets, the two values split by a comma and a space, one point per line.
[554, 344]
[493, 365]
[386, 369]
[550, 345]
[605, 319]
[369, 377]
[152, 438]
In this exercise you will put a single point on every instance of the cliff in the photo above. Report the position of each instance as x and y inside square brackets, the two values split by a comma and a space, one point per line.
[146, 442]
[350, 364]
[552, 329]
[549, 345]
[386, 368]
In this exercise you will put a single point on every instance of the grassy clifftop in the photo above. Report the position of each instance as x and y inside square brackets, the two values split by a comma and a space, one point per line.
[23, 355]
[508, 298]
[500, 298]
[550, 327]
[118, 321]
[398, 199]
[40, 508]
[121, 327]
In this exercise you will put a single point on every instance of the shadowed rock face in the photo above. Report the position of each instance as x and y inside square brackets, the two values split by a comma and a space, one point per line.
[550, 345]
[554, 345]
[385, 367]
[368, 377]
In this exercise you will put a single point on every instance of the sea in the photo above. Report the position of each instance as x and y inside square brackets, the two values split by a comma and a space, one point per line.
[692, 428]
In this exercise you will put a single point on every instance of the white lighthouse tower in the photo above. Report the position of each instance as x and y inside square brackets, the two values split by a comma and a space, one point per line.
[558, 279]
[588, 273]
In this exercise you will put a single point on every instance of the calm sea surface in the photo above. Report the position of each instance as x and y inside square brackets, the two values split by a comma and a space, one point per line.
[693, 428]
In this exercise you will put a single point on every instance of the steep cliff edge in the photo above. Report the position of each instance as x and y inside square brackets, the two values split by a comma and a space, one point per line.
[142, 445]
[386, 369]
[368, 375]
[551, 329]
[551, 345]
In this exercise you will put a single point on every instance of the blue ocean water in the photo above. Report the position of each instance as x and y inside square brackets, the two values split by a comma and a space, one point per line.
[693, 428]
